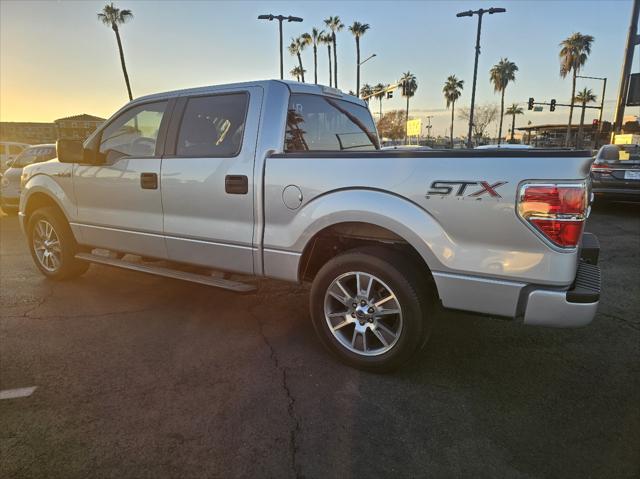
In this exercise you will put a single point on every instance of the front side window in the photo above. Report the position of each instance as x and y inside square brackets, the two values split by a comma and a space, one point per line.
[213, 126]
[319, 123]
[134, 133]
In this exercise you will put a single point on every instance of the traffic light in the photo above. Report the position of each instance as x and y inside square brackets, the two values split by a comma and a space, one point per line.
[531, 101]
[389, 94]
[553, 105]
[595, 124]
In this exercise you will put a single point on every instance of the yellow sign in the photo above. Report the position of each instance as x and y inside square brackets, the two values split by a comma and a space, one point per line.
[626, 139]
[414, 127]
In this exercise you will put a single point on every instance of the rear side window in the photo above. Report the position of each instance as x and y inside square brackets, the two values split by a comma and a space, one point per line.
[213, 126]
[134, 132]
[319, 123]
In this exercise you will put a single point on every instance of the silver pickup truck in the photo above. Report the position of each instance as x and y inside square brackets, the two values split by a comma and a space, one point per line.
[286, 180]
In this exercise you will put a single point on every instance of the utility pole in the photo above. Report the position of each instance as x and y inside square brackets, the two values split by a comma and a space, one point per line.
[470, 13]
[632, 40]
[280, 18]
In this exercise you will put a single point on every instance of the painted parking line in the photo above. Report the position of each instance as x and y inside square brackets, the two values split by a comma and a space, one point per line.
[17, 393]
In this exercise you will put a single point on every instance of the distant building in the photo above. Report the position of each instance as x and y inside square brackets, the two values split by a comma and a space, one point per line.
[77, 127]
[554, 135]
[28, 132]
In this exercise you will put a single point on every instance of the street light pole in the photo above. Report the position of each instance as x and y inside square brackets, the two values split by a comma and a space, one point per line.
[480, 13]
[358, 79]
[280, 18]
[604, 90]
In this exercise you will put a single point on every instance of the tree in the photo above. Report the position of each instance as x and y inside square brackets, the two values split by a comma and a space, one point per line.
[573, 55]
[452, 91]
[327, 40]
[392, 125]
[409, 86]
[358, 29]
[113, 17]
[314, 38]
[298, 72]
[501, 74]
[483, 116]
[583, 97]
[514, 110]
[295, 48]
[365, 91]
[335, 25]
[380, 94]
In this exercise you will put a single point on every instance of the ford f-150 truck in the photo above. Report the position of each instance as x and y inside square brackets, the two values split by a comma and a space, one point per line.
[287, 180]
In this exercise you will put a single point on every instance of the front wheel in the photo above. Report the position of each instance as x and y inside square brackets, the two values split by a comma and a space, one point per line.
[53, 246]
[371, 309]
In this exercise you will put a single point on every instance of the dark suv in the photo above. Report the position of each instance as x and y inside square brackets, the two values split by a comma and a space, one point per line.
[615, 174]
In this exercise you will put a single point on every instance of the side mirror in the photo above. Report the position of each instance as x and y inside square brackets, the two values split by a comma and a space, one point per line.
[72, 151]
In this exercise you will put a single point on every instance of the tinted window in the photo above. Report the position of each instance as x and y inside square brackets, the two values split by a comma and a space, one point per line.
[318, 123]
[134, 133]
[213, 126]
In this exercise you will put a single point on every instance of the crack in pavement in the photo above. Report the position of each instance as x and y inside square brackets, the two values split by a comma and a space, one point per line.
[39, 303]
[296, 429]
[76, 316]
[631, 324]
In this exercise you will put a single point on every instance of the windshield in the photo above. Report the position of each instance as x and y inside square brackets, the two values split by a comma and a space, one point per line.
[319, 123]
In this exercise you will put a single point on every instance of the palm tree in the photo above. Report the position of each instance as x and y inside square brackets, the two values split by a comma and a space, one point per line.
[513, 110]
[335, 25]
[380, 93]
[409, 86]
[358, 29]
[452, 91]
[573, 55]
[501, 74]
[298, 72]
[328, 41]
[583, 97]
[295, 48]
[366, 91]
[113, 17]
[314, 38]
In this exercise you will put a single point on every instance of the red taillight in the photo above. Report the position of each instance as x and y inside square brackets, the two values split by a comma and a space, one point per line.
[602, 168]
[556, 211]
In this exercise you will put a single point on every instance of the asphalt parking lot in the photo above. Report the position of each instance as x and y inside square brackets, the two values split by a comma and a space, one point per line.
[139, 376]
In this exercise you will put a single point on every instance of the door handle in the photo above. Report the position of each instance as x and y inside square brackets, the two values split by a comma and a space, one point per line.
[149, 181]
[236, 184]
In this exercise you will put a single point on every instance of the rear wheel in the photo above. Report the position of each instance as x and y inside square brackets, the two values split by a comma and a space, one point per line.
[53, 246]
[371, 308]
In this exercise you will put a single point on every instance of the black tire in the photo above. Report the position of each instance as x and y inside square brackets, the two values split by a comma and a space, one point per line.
[413, 296]
[67, 266]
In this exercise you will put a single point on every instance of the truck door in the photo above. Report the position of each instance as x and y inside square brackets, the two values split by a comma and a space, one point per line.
[207, 179]
[119, 203]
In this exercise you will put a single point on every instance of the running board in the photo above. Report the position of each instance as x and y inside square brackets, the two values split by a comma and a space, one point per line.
[236, 286]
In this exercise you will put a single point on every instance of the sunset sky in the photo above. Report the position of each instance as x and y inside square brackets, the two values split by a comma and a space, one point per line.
[56, 59]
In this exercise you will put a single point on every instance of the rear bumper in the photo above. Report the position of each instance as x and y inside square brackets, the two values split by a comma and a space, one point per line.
[566, 309]
[538, 305]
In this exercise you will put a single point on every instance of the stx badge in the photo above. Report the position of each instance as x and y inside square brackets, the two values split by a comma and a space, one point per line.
[445, 188]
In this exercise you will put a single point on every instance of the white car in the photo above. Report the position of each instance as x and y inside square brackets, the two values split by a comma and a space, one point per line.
[9, 150]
